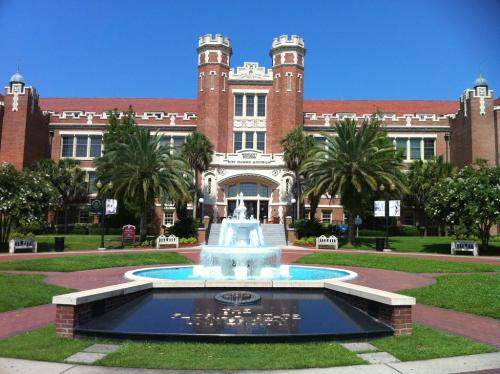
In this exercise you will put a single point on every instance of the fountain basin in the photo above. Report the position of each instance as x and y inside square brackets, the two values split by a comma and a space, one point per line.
[286, 272]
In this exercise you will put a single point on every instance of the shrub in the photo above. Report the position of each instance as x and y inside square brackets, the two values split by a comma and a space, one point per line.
[185, 228]
[21, 235]
[190, 240]
[309, 240]
[80, 229]
[367, 232]
[408, 230]
[460, 232]
[307, 228]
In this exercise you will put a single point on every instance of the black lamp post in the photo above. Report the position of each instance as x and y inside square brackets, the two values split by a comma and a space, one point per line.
[386, 213]
[201, 201]
[293, 201]
[99, 186]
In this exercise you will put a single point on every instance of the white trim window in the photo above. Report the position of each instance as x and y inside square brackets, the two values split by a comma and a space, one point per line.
[249, 140]
[250, 105]
[168, 218]
[81, 146]
[326, 216]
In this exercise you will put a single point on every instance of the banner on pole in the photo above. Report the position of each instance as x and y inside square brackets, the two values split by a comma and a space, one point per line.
[379, 208]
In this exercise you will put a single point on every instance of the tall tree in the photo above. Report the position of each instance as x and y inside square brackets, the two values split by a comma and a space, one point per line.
[471, 199]
[24, 200]
[354, 164]
[142, 172]
[422, 178]
[198, 151]
[296, 146]
[68, 179]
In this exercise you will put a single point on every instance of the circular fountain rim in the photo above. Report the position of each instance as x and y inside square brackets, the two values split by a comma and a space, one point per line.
[131, 276]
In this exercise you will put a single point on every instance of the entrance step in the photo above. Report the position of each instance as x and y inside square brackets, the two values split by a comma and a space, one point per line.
[274, 235]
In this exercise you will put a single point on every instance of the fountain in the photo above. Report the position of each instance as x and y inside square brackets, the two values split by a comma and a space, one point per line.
[241, 252]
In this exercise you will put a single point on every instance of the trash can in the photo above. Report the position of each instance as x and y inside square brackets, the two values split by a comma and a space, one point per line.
[379, 244]
[59, 243]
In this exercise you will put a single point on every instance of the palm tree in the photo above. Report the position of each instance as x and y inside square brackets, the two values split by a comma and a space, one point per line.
[422, 177]
[69, 181]
[197, 150]
[296, 145]
[142, 171]
[354, 164]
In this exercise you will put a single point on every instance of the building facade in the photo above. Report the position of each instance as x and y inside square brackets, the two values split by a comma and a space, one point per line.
[245, 112]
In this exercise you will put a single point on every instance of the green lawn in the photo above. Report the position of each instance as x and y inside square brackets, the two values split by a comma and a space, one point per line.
[42, 345]
[426, 244]
[21, 291]
[100, 261]
[426, 343]
[412, 265]
[78, 242]
[476, 293]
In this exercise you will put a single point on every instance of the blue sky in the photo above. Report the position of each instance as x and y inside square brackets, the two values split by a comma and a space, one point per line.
[356, 49]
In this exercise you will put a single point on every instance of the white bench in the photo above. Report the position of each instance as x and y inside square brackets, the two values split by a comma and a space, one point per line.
[323, 240]
[22, 244]
[464, 246]
[165, 240]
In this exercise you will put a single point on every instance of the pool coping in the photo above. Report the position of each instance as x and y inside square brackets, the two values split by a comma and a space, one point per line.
[131, 276]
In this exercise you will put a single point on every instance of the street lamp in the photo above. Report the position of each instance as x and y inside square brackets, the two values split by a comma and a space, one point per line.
[201, 200]
[99, 186]
[382, 189]
[293, 201]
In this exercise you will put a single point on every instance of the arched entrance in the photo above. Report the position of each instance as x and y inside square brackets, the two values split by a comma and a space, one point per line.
[257, 194]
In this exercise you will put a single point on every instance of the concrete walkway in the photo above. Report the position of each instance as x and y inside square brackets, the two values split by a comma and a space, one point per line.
[460, 364]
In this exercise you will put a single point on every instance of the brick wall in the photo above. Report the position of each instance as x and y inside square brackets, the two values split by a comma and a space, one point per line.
[70, 316]
[399, 317]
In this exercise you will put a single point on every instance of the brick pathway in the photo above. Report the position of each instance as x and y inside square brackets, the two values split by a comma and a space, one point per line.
[483, 329]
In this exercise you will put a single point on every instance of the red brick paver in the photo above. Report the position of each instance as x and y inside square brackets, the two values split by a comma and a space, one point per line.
[26, 319]
[483, 329]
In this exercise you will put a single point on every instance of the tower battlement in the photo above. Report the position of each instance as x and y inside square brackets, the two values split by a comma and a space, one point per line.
[285, 41]
[210, 40]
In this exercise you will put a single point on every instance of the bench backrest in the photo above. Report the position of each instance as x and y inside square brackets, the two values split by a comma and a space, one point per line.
[23, 242]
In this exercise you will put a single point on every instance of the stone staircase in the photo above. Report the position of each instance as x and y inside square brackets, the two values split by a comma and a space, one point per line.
[274, 235]
[213, 238]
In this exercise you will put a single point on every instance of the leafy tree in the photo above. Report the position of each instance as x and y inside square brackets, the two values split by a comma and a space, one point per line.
[198, 151]
[24, 200]
[296, 146]
[68, 180]
[354, 164]
[470, 199]
[118, 128]
[421, 180]
[142, 172]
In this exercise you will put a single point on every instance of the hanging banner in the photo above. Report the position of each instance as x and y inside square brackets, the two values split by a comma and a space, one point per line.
[111, 206]
[379, 208]
[394, 208]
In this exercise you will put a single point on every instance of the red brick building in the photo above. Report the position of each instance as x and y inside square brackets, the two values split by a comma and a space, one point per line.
[245, 112]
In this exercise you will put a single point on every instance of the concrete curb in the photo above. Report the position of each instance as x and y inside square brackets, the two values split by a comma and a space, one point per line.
[458, 364]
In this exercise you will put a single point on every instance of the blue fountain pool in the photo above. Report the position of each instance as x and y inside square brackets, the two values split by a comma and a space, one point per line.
[292, 272]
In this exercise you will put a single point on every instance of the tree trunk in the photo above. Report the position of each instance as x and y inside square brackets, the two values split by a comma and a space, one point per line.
[195, 202]
[314, 202]
[297, 189]
[350, 232]
[66, 219]
[142, 226]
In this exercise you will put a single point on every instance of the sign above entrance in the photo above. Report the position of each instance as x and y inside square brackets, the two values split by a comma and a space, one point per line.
[247, 158]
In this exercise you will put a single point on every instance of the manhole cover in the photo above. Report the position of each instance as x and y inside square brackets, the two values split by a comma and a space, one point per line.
[237, 297]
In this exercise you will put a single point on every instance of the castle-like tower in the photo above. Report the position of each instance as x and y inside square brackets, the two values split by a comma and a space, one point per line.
[24, 129]
[286, 98]
[474, 132]
[214, 55]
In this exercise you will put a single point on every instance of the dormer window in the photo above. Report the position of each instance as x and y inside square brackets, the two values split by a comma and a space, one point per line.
[73, 114]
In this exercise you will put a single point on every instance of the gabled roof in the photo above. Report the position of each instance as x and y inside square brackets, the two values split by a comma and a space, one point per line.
[399, 107]
[100, 105]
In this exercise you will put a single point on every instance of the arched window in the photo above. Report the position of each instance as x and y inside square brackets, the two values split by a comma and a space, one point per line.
[209, 185]
[212, 80]
[201, 82]
[288, 81]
